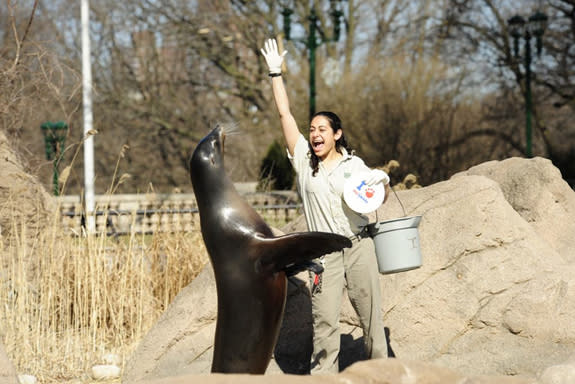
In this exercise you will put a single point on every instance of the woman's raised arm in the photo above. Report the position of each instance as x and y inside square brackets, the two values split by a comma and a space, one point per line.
[274, 61]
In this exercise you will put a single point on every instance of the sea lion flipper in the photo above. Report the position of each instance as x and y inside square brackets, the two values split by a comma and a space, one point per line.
[279, 252]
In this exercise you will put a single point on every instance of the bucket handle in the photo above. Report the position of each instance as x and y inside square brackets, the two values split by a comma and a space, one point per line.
[400, 203]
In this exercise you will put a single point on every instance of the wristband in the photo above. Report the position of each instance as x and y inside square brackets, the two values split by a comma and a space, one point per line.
[275, 74]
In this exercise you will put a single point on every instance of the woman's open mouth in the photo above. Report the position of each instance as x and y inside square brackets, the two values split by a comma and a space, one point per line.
[317, 146]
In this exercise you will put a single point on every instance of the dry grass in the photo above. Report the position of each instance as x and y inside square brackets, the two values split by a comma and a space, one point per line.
[67, 301]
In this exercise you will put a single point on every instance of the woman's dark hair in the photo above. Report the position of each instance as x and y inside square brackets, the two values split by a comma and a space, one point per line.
[335, 124]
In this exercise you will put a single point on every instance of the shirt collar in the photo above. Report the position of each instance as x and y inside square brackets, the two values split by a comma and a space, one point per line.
[346, 155]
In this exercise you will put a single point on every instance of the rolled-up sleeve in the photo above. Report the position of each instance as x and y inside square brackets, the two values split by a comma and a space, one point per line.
[300, 157]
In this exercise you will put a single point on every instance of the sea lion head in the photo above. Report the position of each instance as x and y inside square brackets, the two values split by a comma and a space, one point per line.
[207, 160]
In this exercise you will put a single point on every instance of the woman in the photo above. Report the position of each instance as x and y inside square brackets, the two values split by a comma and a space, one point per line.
[322, 164]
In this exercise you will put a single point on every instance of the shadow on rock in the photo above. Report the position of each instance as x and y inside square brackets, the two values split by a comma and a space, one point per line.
[295, 342]
[353, 350]
[294, 346]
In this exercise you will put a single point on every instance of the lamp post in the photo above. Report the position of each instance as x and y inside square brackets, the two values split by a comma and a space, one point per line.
[312, 43]
[54, 142]
[520, 28]
[89, 198]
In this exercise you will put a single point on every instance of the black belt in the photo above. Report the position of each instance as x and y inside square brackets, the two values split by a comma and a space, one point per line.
[360, 235]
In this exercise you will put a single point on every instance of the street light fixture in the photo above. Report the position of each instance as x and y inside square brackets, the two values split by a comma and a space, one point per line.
[312, 43]
[54, 142]
[519, 28]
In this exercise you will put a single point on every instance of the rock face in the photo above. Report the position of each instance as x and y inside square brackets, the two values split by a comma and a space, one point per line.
[494, 295]
[535, 190]
[385, 371]
[183, 337]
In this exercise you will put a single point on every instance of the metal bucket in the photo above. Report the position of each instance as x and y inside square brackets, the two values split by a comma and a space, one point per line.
[396, 244]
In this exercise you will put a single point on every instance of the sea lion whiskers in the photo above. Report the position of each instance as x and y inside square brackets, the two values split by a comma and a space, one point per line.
[227, 129]
[230, 129]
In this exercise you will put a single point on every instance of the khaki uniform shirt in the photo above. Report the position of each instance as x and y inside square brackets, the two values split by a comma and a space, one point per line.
[322, 194]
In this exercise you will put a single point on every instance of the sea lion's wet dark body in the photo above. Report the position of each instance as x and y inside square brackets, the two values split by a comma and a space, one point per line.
[248, 261]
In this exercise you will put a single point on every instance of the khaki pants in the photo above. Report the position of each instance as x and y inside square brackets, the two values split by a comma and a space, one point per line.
[358, 267]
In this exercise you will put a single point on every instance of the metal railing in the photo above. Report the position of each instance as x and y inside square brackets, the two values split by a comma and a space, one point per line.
[124, 214]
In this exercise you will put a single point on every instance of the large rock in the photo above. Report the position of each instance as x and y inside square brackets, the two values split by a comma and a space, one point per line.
[536, 191]
[182, 339]
[493, 297]
[384, 371]
[559, 374]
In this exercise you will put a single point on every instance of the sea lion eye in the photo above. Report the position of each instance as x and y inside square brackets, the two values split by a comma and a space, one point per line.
[212, 159]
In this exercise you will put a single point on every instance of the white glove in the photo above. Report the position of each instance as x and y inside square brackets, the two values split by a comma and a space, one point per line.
[376, 176]
[272, 56]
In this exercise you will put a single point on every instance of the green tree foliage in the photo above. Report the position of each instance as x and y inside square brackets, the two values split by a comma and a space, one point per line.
[276, 171]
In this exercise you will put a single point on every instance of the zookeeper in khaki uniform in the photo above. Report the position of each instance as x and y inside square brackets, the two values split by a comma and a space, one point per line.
[322, 164]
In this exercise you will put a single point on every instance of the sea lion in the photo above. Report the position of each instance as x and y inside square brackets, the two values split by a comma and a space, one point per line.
[249, 263]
